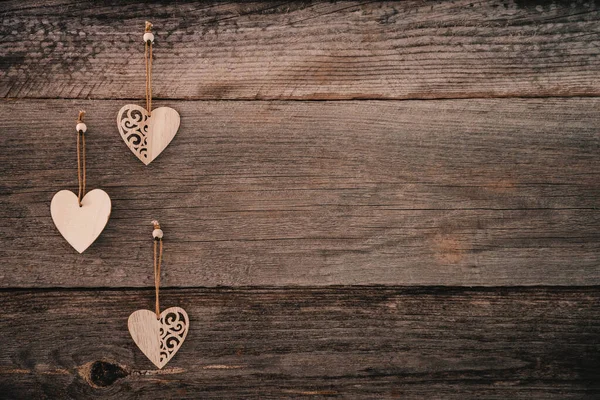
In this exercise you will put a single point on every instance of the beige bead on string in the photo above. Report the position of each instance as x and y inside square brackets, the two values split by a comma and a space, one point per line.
[157, 234]
[148, 36]
[81, 127]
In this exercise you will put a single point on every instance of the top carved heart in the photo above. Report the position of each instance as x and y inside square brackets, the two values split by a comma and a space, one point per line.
[147, 135]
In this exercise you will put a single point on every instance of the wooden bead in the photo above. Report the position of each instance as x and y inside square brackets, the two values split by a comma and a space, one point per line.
[157, 234]
[81, 127]
[149, 37]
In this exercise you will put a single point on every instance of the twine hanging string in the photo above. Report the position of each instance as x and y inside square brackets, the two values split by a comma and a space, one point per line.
[148, 61]
[81, 159]
[158, 251]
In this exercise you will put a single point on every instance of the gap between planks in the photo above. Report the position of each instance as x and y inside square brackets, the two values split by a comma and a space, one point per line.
[315, 100]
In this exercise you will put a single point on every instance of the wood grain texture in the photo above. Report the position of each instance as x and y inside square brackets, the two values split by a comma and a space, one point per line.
[311, 343]
[457, 192]
[265, 196]
[301, 50]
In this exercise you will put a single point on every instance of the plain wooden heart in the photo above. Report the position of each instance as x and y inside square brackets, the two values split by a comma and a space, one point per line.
[80, 225]
[159, 339]
[147, 135]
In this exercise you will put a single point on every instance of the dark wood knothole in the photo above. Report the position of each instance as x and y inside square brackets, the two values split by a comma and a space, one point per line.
[104, 373]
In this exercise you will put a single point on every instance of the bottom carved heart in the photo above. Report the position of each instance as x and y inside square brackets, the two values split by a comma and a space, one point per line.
[159, 338]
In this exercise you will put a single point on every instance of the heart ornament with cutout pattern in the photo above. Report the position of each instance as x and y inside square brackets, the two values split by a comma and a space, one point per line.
[147, 134]
[159, 338]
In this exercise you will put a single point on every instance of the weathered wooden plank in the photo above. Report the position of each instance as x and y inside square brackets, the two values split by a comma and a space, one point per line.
[460, 192]
[303, 50]
[332, 342]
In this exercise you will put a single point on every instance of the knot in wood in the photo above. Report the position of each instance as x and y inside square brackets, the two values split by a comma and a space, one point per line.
[104, 374]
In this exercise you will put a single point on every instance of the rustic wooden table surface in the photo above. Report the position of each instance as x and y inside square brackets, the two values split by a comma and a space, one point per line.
[364, 200]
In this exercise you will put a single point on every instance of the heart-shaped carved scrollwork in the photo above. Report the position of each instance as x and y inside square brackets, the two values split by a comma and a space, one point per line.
[147, 135]
[159, 338]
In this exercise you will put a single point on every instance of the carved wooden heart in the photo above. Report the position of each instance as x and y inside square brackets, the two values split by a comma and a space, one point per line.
[159, 339]
[147, 135]
[80, 225]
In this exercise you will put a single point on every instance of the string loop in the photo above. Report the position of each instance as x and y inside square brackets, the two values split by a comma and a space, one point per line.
[158, 243]
[81, 159]
[148, 62]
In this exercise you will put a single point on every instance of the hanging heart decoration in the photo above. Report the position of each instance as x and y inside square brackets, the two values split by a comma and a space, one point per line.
[159, 338]
[80, 225]
[147, 135]
[81, 217]
[158, 335]
[147, 132]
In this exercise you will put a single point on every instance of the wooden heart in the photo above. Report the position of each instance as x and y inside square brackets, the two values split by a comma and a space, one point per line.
[80, 225]
[159, 339]
[147, 135]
